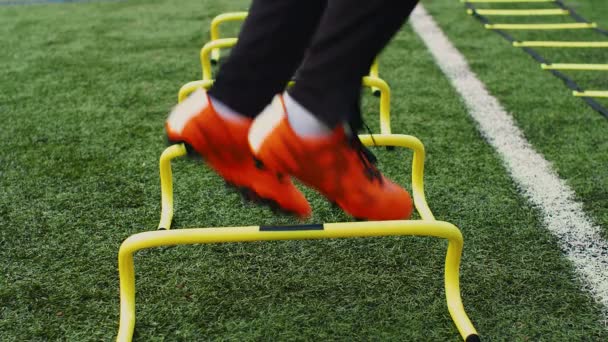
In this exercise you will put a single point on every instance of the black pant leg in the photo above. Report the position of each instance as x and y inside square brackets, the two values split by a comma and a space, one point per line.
[350, 35]
[271, 46]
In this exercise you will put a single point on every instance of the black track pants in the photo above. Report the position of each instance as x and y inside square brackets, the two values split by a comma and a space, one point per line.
[331, 44]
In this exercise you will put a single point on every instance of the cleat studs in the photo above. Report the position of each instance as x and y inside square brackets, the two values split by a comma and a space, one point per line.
[258, 163]
[249, 196]
[230, 185]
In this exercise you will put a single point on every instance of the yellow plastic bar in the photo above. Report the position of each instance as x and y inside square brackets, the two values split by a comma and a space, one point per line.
[561, 44]
[564, 26]
[374, 72]
[215, 29]
[516, 12]
[502, 1]
[414, 144]
[385, 101]
[206, 52]
[591, 93]
[381, 85]
[328, 231]
[166, 183]
[573, 66]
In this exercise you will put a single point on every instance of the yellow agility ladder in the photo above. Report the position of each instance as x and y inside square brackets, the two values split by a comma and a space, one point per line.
[555, 68]
[427, 226]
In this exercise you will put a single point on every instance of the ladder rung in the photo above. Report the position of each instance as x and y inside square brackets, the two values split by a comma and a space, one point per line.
[503, 1]
[518, 12]
[591, 93]
[564, 26]
[573, 66]
[561, 44]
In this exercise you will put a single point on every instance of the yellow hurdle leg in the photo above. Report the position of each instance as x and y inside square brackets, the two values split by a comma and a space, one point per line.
[374, 72]
[215, 29]
[206, 51]
[385, 101]
[166, 183]
[414, 144]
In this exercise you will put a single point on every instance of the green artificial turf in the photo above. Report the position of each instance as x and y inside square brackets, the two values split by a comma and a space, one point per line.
[85, 91]
[563, 128]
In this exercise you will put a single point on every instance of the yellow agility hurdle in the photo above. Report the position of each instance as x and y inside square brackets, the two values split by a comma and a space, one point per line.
[428, 226]
[564, 26]
[213, 56]
[518, 12]
[214, 45]
[368, 81]
[561, 44]
[591, 93]
[573, 66]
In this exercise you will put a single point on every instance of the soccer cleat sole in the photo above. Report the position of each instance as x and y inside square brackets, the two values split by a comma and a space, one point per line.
[247, 194]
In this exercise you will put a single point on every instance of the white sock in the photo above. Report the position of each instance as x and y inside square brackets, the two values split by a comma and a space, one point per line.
[226, 112]
[302, 121]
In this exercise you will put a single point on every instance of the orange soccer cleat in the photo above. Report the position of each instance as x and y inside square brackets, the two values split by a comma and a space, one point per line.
[336, 165]
[223, 145]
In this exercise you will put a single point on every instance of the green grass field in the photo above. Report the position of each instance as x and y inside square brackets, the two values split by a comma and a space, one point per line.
[85, 89]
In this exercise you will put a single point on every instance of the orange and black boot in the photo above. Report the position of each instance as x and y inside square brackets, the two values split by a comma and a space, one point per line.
[336, 165]
[223, 145]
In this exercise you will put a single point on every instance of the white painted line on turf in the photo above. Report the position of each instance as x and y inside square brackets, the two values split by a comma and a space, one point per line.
[564, 217]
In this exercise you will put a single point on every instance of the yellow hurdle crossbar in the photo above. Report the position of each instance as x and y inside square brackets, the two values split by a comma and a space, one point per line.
[518, 12]
[502, 1]
[368, 81]
[564, 26]
[215, 29]
[573, 66]
[425, 227]
[591, 93]
[561, 44]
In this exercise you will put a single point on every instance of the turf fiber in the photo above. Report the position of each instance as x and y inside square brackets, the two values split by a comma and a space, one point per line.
[85, 90]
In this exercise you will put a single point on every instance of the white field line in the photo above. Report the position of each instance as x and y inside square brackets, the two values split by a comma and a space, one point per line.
[562, 215]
